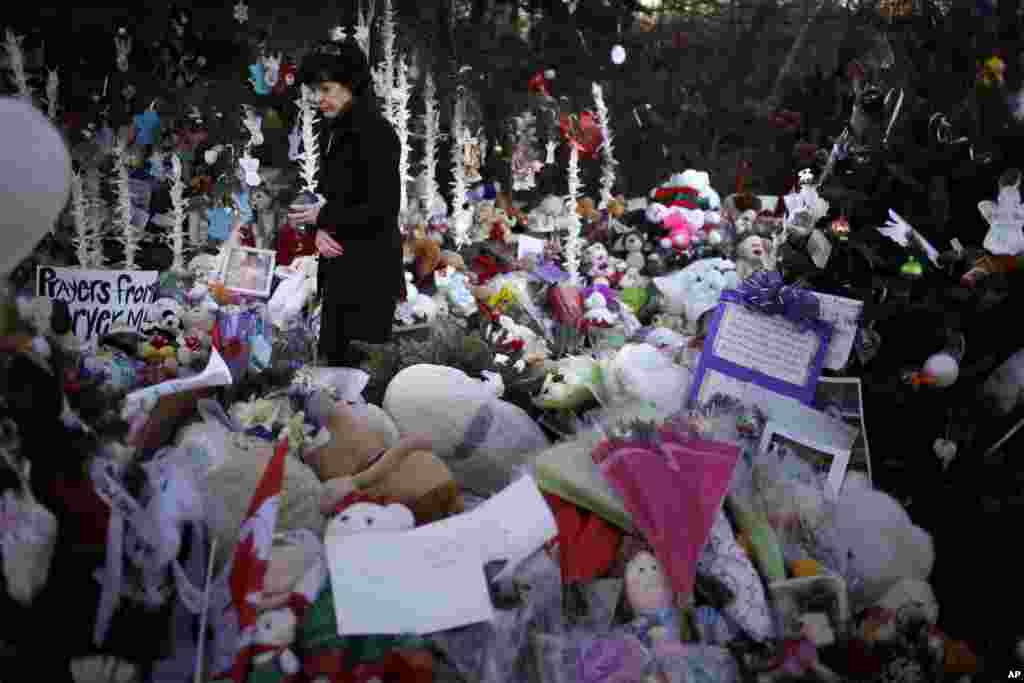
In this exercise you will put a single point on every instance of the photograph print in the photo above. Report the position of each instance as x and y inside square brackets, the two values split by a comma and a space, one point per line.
[249, 271]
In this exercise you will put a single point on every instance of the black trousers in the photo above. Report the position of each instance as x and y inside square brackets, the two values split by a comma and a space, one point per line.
[340, 325]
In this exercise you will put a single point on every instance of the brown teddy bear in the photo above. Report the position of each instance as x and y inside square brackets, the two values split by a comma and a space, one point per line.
[408, 473]
[617, 207]
[426, 258]
[587, 211]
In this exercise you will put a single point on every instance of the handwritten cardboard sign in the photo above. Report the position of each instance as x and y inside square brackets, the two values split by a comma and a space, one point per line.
[100, 299]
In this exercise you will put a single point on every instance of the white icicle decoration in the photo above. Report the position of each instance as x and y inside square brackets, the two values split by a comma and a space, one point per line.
[52, 88]
[432, 129]
[81, 214]
[12, 44]
[123, 210]
[461, 222]
[609, 163]
[384, 74]
[573, 243]
[309, 158]
[364, 20]
[400, 101]
[179, 208]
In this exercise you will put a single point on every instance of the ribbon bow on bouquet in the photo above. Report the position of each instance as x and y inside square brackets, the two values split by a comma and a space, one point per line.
[766, 292]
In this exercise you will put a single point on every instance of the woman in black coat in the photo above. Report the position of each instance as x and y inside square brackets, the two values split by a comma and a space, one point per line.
[361, 273]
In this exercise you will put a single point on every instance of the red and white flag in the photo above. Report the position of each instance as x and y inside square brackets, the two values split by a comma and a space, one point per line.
[233, 614]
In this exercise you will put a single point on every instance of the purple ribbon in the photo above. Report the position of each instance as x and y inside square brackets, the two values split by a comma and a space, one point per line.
[766, 292]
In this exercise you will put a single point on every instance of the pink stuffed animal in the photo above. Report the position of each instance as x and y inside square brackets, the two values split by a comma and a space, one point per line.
[680, 231]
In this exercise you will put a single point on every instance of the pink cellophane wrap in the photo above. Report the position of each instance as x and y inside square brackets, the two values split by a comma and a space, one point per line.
[672, 485]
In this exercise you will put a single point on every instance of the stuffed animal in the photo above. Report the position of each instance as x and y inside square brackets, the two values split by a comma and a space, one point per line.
[234, 464]
[885, 545]
[680, 231]
[586, 210]
[427, 257]
[407, 472]
[482, 439]
[650, 596]
[331, 658]
[274, 661]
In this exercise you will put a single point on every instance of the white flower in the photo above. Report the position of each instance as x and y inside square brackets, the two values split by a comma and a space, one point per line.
[500, 358]
[241, 12]
[520, 365]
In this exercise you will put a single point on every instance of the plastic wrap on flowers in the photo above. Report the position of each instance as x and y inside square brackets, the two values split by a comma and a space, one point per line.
[582, 657]
[294, 347]
[692, 662]
[116, 372]
[233, 332]
[493, 652]
[673, 484]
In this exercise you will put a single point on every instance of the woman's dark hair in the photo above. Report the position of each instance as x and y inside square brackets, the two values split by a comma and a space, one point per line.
[341, 62]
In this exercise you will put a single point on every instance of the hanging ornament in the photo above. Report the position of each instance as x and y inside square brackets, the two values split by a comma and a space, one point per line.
[471, 159]
[241, 12]
[551, 147]
[618, 55]
[583, 132]
[540, 84]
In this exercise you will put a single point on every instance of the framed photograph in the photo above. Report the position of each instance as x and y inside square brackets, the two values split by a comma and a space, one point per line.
[248, 271]
[842, 398]
[827, 461]
[799, 601]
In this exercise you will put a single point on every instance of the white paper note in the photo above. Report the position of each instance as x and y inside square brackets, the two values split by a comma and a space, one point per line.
[770, 345]
[407, 582]
[844, 315]
[529, 246]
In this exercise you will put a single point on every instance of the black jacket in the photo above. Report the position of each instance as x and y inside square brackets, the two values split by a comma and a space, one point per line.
[359, 177]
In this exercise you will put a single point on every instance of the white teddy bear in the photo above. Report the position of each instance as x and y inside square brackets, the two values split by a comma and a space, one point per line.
[696, 289]
[276, 629]
[363, 516]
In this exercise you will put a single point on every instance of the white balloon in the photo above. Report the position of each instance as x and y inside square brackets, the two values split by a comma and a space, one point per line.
[943, 368]
[618, 55]
[35, 179]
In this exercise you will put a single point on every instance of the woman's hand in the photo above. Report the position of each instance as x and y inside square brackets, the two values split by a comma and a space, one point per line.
[307, 216]
[327, 246]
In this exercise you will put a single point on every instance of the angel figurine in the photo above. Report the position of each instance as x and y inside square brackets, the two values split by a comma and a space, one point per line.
[253, 123]
[1004, 241]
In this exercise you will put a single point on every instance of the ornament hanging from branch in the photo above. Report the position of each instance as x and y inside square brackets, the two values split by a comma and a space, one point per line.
[123, 48]
[241, 12]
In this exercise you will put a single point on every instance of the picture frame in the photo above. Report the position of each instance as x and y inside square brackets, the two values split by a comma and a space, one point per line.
[248, 271]
[744, 347]
[826, 460]
[796, 599]
[843, 399]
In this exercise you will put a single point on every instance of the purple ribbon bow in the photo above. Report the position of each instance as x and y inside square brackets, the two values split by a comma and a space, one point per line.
[766, 292]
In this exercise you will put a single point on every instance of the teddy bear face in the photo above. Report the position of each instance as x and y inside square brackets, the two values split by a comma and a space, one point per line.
[362, 517]
[276, 628]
